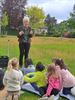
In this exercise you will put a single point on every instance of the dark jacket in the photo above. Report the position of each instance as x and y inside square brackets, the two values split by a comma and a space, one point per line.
[20, 38]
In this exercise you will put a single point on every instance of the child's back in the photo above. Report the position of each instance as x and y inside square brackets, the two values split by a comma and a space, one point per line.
[68, 78]
[29, 67]
[37, 79]
[53, 81]
[13, 80]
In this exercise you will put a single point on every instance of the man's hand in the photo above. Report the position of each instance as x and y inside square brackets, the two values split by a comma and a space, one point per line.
[31, 32]
[21, 33]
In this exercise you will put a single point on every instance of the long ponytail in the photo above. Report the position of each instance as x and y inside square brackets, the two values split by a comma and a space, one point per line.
[9, 68]
[12, 64]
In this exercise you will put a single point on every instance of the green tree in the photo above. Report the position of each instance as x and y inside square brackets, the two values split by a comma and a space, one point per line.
[73, 13]
[63, 27]
[15, 11]
[50, 22]
[71, 20]
[37, 16]
[4, 22]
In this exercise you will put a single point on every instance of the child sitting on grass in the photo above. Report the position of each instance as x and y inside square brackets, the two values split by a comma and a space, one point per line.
[13, 79]
[29, 67]
[53, 78]
[37, 79]
[68, 80]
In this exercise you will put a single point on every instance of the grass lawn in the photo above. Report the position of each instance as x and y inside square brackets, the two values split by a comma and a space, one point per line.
[42, 49]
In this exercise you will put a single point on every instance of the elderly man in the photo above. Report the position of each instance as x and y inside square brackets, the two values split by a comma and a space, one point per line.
[25, 35]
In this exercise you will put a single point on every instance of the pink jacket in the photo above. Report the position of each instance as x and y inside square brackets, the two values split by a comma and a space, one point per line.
[68, 80]
[52, 83]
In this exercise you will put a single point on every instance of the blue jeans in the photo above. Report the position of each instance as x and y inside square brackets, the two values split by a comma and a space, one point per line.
[41, 90]
[67, 91]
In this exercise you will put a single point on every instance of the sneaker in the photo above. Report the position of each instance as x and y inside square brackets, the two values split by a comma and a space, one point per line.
[43, 98]
[51, 97]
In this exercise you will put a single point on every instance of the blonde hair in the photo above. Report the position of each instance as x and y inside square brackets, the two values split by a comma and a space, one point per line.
[51, 69]
[13, 64]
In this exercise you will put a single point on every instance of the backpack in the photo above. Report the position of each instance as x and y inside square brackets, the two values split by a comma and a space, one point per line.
[3, 64]
[4, 61]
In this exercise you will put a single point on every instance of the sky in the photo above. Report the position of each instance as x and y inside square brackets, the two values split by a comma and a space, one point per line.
[56, 8]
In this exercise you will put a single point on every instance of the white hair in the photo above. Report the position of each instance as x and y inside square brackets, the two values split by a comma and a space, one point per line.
[26, 19]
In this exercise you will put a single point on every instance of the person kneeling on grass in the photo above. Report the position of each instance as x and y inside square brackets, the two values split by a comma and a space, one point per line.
[68, 80]
[29, 67]
[54, 84]
[13, 79]
[37, 79]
